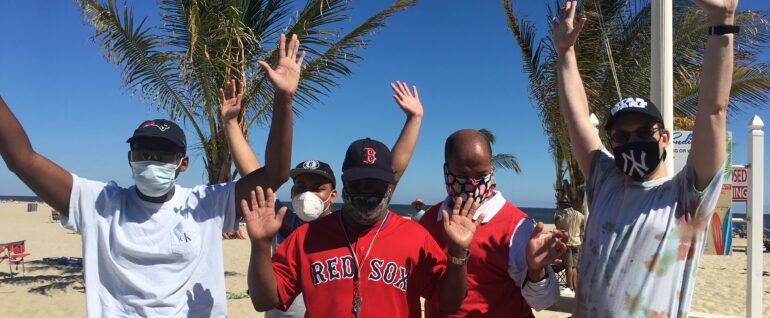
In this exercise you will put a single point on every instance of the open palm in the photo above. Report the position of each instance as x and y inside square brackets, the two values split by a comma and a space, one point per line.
[565, 30]
[544, 250]
[262, 223]
[285, 77]
[407, 100]
[230, 104]
[459, 227]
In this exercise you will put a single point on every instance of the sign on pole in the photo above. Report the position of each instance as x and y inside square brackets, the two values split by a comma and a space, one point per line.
[740, 183]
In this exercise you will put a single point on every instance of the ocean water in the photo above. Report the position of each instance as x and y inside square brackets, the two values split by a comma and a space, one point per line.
[544, 215]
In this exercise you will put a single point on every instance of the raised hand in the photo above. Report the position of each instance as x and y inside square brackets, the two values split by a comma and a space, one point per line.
[230, 104]
[459, 227]
[719, 11]
[262, 223]
[285, 77]
[565, 30]
[408, 101]
[544, 250]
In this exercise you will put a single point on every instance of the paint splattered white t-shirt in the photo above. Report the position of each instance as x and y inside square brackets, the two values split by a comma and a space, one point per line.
[144, 259]
[643, 242]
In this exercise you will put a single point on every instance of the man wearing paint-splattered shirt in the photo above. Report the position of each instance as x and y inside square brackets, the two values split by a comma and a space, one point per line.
[646, 230]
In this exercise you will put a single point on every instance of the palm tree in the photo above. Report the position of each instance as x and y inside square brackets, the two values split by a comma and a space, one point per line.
[178, 65]
[504, 161]
[624, 26]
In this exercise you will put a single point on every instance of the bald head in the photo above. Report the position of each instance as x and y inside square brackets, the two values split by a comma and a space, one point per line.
[469, 146]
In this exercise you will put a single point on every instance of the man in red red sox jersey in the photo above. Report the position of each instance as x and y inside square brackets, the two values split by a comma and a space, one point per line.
[362, 261]
[508, 272]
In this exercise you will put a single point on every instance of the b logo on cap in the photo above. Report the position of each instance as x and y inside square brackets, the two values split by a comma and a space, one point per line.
[370, 155]
[311, 164]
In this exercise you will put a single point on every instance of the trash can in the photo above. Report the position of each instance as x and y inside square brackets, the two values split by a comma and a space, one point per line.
[31, 207]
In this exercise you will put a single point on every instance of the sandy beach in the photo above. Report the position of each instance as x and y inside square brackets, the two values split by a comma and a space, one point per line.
[49, 290]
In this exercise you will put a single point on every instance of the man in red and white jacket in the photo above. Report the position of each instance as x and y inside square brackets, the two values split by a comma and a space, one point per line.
[508, 272]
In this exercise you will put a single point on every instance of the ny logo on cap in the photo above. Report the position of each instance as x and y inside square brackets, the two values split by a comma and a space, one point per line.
[629, 102]
[311, 164]
[370, 155]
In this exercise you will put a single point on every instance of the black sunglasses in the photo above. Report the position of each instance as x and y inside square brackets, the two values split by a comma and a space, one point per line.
[154, 155]
[643, 133]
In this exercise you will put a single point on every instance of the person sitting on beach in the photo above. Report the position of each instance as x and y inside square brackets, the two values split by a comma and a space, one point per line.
[361, 261]
[314, 189]
[645, 232]
[571, 221]
[508, 270]
[155, 249]
[418, 206]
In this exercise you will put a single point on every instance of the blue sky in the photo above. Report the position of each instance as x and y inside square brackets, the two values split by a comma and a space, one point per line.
[461, 56]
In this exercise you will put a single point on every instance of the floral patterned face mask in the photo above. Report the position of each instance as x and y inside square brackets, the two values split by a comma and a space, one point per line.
[478, 189]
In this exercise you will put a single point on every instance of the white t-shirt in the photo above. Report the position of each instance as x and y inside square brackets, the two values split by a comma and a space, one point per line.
[152, 259]
[643, 242]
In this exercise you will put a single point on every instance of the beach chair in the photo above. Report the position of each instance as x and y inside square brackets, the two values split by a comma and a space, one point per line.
[15, 252]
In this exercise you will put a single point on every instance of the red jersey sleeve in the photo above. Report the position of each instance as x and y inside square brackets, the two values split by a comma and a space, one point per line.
[432, 265]
[286, 268]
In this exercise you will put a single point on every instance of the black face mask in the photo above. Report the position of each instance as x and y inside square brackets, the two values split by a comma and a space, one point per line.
[638, 159]
[366, 208]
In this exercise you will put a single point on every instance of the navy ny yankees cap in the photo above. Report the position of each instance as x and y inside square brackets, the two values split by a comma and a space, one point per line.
[315, 167]
[163, 129]
[636, 105]
[368, 159]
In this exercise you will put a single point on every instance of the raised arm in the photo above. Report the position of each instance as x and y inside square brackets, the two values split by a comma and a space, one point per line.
[285, 79]
[572, 95]
[262, 224]
[404, 147]
[708, 145]
[49, 181]
[243, 157]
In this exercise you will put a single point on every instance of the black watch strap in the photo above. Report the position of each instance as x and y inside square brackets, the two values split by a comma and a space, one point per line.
[723, 29]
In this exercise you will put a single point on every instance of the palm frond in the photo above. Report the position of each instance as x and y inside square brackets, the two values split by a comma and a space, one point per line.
[147, 68]
[506, 162]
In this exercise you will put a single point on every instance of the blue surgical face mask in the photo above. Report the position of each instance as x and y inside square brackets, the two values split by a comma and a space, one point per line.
[153, 178]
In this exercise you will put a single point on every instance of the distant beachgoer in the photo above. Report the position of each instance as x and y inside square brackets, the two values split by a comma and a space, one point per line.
[646, 230]
[571, 221]
[508, 260]
[155, 249]
[419, 207]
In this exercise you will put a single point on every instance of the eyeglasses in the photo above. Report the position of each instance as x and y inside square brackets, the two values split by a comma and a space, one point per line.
[643, 133]
[154, 155]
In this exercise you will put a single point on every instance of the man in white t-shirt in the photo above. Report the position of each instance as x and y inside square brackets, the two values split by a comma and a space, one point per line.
[154, 249]
[647, 229]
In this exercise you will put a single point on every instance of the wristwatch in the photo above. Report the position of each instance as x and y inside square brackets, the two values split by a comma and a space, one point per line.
[723, 29]
[458, 260]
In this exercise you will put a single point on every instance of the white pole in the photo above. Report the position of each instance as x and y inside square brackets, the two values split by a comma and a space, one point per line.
[755, 217]
[662, 77]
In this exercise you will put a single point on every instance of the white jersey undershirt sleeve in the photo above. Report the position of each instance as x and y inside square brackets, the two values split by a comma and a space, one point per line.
[539, 295]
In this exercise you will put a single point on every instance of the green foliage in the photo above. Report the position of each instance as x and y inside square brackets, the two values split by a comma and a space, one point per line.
[179, 65]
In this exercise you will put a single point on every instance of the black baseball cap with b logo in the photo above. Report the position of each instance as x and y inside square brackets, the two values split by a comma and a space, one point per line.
[163, 129]
[634, 105]
[368, 159]
[315, 167]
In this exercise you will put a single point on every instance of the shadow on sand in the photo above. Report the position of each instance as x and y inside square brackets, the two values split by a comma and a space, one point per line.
[61, 274]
